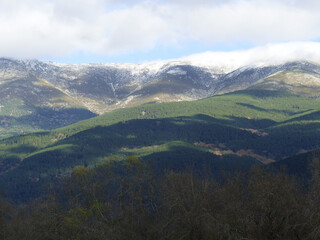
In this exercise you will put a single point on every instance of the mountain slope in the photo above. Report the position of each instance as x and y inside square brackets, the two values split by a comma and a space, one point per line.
[300, 165]
[252, 125]
[29, 103]
[41, 96]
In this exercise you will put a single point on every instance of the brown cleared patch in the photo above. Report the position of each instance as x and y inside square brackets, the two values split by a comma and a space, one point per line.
[136, 148]
[242, 152]
[59, 137]
[153, 146]
[255, 131]
[250, 153]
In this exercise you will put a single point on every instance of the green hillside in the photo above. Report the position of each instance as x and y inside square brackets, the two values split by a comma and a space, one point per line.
[233, 130]
[246, 109]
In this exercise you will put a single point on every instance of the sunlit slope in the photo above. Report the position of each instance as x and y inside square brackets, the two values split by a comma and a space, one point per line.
[29, 104]
[298, 82]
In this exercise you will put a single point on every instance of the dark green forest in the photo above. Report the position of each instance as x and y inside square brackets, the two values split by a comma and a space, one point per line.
[128, 200]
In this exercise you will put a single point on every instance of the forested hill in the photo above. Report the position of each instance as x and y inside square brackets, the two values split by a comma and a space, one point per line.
[231, 130]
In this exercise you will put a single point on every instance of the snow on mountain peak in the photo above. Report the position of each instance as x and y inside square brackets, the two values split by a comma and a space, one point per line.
[220, 62]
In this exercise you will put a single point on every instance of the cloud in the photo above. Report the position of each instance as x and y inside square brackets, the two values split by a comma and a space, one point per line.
[53, 28]
[270, 54]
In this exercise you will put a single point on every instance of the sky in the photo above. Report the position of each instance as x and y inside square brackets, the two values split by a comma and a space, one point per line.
[137, 31]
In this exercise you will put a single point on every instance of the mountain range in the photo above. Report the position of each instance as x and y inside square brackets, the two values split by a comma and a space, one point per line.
[37, 95]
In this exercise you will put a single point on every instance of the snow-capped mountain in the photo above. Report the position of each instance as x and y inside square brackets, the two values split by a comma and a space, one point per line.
[29, 89]
[103, 87]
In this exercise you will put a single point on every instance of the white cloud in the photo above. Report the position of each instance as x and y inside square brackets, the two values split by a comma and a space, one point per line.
[135, 29]
[270, 54]
[255, 22]
[38, 28]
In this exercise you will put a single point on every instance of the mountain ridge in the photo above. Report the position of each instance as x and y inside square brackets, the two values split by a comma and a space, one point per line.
[99, 88]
